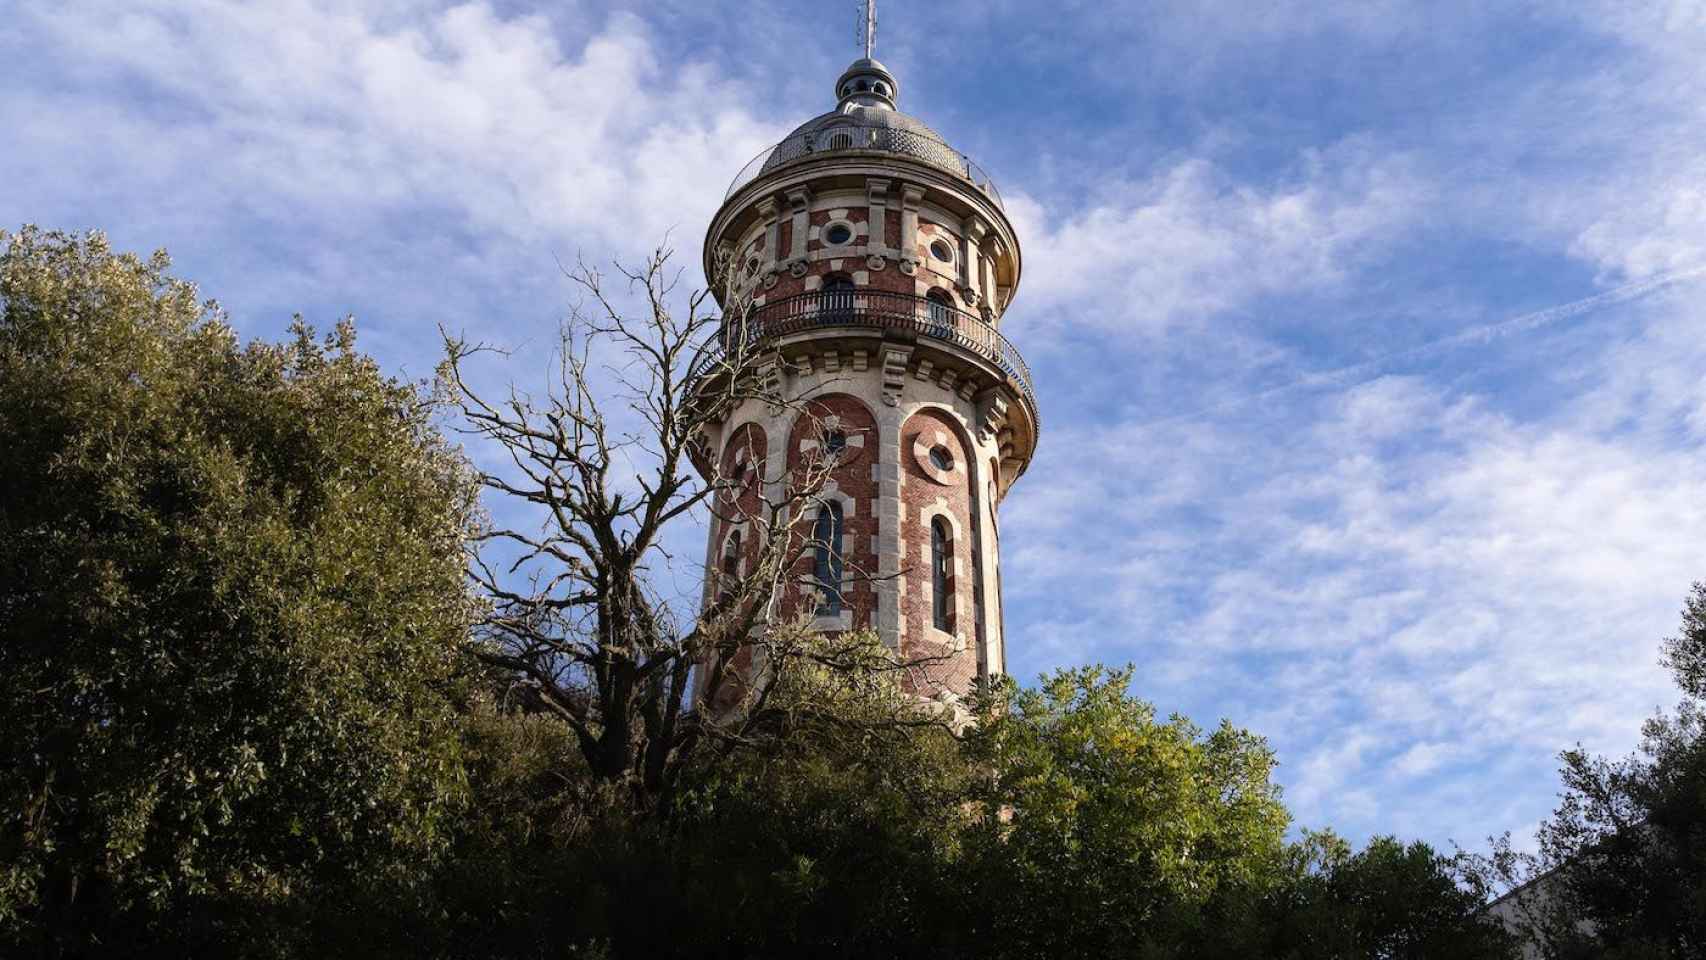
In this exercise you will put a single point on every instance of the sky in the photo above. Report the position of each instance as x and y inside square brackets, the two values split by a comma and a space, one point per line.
[1368, 337]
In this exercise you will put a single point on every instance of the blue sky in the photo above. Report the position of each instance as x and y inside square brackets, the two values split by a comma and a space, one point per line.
[1322, 453]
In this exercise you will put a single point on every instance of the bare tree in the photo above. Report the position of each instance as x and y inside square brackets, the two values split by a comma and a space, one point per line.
[575, 618]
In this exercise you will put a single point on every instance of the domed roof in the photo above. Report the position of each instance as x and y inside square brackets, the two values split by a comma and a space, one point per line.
[866, 119]
[864, 116]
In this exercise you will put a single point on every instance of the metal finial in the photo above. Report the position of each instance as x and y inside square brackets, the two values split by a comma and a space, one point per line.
[870, 27]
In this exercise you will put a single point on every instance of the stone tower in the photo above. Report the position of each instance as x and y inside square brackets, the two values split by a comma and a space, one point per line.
[873, 263]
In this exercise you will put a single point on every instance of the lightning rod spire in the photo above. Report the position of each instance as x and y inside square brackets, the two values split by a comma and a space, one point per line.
[870, 31]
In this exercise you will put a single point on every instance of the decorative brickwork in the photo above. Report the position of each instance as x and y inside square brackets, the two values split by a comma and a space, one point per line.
[927, 413]
[839, 432]
[937, 485]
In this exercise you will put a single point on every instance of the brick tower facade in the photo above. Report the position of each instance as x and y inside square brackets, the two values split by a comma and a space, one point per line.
[873, 264]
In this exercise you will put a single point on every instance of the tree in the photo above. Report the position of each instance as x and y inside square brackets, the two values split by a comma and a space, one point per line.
[1389, 900]
[605, 470]
[1125, 826]
[232, 600]
[1620, 866]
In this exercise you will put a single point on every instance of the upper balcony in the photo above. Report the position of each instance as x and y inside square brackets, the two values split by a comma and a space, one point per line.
[855, 139]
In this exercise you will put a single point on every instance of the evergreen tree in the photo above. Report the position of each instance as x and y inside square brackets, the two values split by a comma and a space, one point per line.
[231, 601]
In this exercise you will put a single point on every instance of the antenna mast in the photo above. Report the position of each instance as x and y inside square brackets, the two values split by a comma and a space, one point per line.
[870, 30]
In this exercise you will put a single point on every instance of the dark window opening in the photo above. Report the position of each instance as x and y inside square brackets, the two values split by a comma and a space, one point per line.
[731, 566]
[837, 299]
[941, 555]
[826, 539]
[838, 234]
[941, 309]
[941, 458]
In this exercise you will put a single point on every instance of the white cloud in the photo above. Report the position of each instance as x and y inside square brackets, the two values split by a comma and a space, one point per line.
[330, 110]
[1402, 560]
[1192, 242]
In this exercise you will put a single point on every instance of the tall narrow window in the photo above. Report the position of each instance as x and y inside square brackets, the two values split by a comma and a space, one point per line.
[941, 555]
[731, 566]
[826, 539]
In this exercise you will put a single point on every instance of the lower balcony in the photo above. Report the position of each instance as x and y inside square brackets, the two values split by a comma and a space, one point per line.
[908, 317]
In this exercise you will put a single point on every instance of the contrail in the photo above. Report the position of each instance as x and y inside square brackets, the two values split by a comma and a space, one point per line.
[1486, 333]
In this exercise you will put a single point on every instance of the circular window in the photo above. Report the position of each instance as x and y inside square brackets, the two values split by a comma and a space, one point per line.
[838, 234]
[940, 458]
[941, 251]
[834, 442]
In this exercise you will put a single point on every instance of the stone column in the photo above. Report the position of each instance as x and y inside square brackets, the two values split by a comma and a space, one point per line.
[971, 260]
[909, 200]
[800, 203]
[876, 236]
[768, 209]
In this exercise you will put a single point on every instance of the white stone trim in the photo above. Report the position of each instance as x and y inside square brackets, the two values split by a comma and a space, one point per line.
[929, 439]
[837, 218]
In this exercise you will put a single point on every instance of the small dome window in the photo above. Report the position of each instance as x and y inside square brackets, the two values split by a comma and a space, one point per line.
[940, 458]
[834, 443]
[942, 251]
[838, 234]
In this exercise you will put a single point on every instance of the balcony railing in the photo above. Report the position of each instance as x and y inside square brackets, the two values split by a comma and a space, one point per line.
[875, 309]
[862, 137]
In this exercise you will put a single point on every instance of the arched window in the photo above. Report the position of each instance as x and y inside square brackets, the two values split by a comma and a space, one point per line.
[826, 542]
[940, 310]
[941, 555]
[837, 299]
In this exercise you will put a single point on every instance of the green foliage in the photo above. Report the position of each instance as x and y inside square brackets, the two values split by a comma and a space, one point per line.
[1627, 844]
[1389, 900]
[1128, 827]
[1620, 870]
[231, 600]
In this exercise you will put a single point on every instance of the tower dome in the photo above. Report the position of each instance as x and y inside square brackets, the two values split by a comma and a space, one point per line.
[868, 83]
[870, 264]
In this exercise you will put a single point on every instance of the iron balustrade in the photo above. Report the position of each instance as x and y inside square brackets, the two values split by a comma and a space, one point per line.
[877, 309]
[851, 137]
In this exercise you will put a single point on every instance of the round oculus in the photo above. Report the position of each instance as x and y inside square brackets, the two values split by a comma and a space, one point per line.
[941, 251]
[838, 234]
[940, 458]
